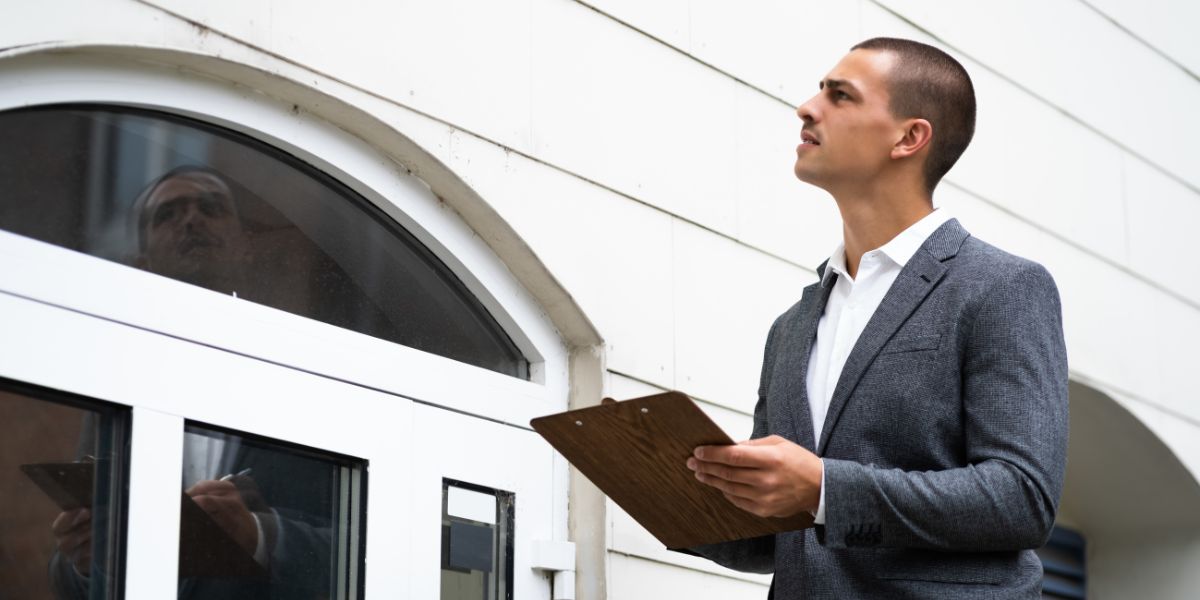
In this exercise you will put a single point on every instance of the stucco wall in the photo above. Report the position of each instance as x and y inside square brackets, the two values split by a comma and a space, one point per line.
[643, 151]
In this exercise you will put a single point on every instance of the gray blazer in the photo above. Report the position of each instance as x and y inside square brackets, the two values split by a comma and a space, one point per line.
[945, 442]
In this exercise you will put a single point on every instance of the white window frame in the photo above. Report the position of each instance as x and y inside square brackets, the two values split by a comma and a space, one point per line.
[119, 333]
[278, 336]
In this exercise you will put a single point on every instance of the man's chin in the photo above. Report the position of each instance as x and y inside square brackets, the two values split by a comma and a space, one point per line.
[806, 175]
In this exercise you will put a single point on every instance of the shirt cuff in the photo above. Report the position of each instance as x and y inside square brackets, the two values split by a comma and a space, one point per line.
[260, 550]
[819, 516]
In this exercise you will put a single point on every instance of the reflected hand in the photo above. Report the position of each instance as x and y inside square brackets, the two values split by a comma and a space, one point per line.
[768, 477]
[223, 502]
[73, 536]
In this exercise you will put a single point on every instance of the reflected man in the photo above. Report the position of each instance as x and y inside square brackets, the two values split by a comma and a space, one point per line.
[189, 229]
[272, 505]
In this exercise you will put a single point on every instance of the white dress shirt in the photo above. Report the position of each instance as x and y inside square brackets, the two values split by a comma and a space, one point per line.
[851, 304]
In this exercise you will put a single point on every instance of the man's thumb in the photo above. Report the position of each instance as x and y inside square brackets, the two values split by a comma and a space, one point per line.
[770, 440]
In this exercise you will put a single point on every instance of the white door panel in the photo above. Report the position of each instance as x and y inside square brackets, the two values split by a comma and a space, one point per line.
[410, 447]
[468, 449]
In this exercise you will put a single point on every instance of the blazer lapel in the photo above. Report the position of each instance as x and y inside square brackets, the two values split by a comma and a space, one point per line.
[922, 273]
[812, 306]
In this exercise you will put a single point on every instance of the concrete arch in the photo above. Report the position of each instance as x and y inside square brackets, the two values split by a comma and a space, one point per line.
[1135, 501]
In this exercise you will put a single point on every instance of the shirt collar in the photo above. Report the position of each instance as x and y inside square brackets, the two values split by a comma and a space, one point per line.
[899, 249]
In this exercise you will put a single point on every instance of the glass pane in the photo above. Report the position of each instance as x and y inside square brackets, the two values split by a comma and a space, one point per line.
[477, 542]
[62, 494]
[261, 519]
[217, 209]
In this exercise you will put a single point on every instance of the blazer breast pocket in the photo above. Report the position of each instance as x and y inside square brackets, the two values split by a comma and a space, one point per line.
[912, 343]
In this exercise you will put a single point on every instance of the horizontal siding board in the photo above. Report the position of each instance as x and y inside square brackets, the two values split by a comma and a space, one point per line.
[1168, 26]
[471, 71]
[636, 578]
[612, 105]
[613, 255]
[726, 297]
[1119, 330]
[1098, 73]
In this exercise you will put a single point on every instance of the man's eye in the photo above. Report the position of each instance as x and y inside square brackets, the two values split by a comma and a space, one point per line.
[164, 214]
[840, 95]
[211, 208]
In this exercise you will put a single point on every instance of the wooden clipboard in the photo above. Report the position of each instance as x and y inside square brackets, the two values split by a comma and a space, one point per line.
[68, 484]
[636, 452]
[206, 550]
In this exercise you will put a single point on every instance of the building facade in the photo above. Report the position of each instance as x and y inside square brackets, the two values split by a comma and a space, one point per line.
[453, 217]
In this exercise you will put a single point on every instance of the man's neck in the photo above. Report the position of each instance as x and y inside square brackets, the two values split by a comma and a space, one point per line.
[870, 221]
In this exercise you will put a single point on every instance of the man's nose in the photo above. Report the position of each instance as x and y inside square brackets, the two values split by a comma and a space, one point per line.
[192, 215]
[806, 111]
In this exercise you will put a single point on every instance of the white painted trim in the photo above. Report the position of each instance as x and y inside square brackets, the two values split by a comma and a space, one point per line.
[155, 466]
[88, 285]
[175, 352]
[34, 80]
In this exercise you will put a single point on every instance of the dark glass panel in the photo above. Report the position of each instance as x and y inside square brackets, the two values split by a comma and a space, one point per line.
[217, 209]
[263, 519]
[63, 491]
[477, 542]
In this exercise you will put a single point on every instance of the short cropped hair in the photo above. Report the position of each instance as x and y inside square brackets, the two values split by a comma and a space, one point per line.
[927, 83]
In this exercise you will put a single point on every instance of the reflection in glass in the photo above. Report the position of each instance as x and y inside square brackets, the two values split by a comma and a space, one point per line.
[263, 520]
[477, 542]
[217, 209]
[62, 494]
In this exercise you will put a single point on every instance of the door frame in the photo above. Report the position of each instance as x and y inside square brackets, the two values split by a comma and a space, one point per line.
[88, 326]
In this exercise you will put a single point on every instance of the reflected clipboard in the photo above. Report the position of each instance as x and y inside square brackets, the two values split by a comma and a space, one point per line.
[68, 484]
[205, 550]
[636, 452]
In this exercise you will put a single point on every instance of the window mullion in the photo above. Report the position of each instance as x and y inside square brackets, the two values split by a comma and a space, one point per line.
[155, 470]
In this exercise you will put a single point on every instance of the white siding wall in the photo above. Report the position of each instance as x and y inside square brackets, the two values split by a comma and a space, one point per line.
[644, 150]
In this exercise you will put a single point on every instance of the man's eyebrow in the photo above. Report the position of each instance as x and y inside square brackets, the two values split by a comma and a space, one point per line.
[837, 83]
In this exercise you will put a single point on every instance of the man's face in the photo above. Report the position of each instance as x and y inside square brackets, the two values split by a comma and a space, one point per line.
[848, 130]
[192, 230]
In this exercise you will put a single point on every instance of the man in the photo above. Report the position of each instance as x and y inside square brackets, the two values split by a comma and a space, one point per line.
[189, 229]
[273, 506]
[915, 400]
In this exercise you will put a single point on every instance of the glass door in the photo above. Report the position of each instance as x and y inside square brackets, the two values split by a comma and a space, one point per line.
[312, 375]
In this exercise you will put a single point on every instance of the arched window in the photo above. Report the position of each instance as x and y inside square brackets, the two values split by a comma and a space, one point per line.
[301, 204]
[217, 209]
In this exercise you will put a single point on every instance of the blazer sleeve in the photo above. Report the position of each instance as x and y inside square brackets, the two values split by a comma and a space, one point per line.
[1014, 402]
[752, 555]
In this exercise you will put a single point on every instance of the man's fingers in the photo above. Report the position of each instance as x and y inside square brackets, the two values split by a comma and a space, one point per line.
[726, 472]
[745, 456]
[208, 504]
[71, 520]
[726, 486]
[212, 487]
[744, 504]
[72, 543]
[726, 455]
[770, 440]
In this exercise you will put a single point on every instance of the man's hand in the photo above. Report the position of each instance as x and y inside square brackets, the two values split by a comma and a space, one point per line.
[73, 535]
[222, 501]
[768, 477]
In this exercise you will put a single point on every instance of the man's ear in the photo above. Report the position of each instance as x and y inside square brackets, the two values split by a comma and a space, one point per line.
[917, 135]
